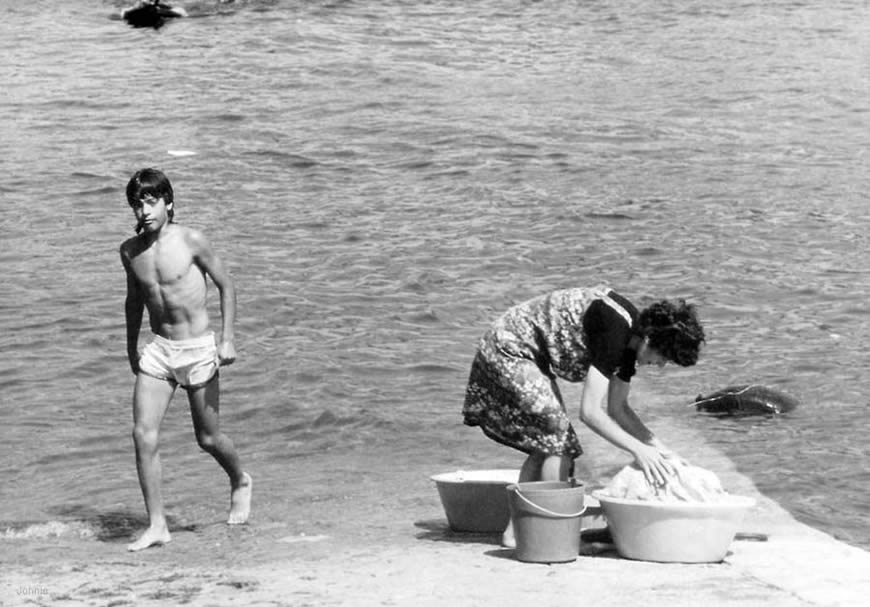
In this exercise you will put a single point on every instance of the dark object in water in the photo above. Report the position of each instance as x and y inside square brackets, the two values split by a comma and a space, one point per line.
[151, 13]
[745, 400]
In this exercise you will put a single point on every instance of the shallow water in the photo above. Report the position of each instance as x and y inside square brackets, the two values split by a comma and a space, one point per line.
[382, 180]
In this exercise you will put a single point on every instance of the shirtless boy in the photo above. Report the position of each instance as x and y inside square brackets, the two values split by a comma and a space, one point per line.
[166, 266]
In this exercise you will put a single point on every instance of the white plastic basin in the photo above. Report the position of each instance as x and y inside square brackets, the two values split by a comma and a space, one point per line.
[476, 500]
[674, 532]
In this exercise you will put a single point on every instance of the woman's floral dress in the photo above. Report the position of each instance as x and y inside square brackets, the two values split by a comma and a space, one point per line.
[512, 393]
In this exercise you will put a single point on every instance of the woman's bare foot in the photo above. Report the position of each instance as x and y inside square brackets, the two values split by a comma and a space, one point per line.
[507, 538]
[240, 501]
[156, 535]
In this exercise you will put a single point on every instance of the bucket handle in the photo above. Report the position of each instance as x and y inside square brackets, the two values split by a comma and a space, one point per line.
[549, 513]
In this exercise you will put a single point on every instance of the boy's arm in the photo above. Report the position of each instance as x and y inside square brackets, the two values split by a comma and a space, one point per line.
[134, 308]
[210, 263]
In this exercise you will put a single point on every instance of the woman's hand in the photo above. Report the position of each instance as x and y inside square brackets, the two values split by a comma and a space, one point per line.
[654, 464]
[670, 454]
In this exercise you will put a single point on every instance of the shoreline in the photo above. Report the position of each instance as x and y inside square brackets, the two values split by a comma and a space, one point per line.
[380, 549]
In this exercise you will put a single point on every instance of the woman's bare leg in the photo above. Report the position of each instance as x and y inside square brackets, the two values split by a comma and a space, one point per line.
[539, 467]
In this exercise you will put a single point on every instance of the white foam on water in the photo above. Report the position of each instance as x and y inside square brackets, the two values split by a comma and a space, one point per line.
[296, 539]
[49, 529]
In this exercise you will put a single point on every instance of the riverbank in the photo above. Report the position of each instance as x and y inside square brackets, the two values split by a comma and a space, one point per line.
[397, 550]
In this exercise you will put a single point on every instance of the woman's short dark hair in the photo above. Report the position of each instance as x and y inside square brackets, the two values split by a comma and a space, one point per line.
[673, 330]
[151, 182]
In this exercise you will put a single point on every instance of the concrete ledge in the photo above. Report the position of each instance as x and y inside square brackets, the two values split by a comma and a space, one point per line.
[803, 561]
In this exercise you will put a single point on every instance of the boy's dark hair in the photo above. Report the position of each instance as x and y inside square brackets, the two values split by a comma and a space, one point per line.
[673, 330]
[150, 182]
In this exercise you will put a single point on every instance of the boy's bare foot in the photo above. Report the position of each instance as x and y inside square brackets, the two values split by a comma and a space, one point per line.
[153, 536]
[240, 501]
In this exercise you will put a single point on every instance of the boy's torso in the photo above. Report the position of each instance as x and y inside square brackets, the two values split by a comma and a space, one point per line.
[172, 285]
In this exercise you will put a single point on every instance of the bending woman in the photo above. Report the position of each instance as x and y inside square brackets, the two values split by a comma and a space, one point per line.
[593, 335]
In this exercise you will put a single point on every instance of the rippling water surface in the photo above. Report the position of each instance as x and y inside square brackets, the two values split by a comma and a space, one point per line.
[383, 178]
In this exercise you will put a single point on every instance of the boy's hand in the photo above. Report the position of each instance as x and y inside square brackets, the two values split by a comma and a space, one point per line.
[226, 353]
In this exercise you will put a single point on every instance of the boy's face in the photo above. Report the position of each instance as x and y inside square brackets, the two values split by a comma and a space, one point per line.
[151, 213]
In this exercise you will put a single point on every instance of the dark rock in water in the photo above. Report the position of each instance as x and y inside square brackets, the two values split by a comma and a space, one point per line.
[745, 400]
[151, 14]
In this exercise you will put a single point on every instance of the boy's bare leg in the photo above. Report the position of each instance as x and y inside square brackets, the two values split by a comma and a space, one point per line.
[205, 412]
[151, 397]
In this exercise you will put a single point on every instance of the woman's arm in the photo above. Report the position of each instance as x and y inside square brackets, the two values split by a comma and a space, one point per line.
[622, 413]
[619, 411]
[592, 413]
